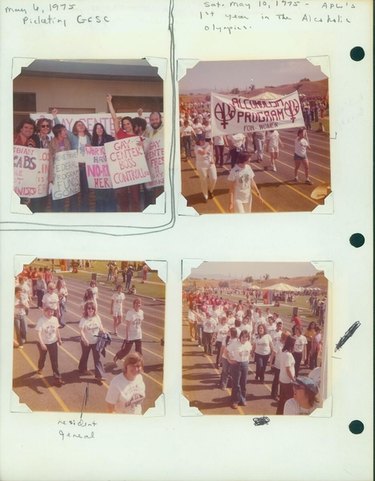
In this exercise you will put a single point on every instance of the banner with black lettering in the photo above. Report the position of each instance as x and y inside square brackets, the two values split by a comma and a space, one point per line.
[127, 163]
[30, 171]
[154, 149]
[97, 169]
[66, 175]
[231, 114]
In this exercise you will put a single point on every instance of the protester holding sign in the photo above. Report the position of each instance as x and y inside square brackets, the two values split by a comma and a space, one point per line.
[79, 137]
[60, 143]
[44, 132]
[104, 197]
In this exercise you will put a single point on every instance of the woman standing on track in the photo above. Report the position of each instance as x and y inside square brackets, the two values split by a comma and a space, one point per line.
[262, 349]
[47, 328]
[90, 326]
[299, 351]
[239, 357]
[287, 373]
[62, 293]
[309, 334]
[133, 320]
[117, 301]
[205, 164]
[301, 145]
[127, 390]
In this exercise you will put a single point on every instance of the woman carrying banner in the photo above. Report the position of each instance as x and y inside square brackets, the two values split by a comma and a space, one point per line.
[301, 145]
[241, 182]
[205, 164]
[104, 198]
[128, 198]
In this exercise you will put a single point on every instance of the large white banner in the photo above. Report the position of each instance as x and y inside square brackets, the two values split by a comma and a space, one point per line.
[127, 162]
[88, 119]
[231, 114]
[97, 169]
[66, 175]
[30, 171]
[154, 148]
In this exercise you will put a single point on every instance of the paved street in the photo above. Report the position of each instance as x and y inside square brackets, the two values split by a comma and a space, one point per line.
[280, 194]
[39, 392]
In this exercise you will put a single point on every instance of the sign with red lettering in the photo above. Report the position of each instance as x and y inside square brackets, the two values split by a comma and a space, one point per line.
[127, 163]
[154, 149]
[231, 114]
[30, 171]
[97, 169]
[66, 175]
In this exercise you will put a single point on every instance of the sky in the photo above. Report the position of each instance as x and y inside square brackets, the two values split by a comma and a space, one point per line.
[226, 75]
[240, 270]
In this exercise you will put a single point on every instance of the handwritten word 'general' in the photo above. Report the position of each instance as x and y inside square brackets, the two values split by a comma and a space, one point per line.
[72, 429]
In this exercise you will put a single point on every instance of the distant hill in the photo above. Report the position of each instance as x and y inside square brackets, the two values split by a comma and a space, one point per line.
[315, 88]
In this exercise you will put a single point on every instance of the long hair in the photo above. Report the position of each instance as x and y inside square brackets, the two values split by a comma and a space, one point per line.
[86, 306]
[75, 131]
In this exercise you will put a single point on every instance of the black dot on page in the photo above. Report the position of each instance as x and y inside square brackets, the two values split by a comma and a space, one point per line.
[356, 427]
[357, 240]
[357, 54]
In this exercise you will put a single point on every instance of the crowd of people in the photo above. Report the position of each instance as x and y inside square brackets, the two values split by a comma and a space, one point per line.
[127, 390]
[240, 332]
[210, 153]
[54, 136]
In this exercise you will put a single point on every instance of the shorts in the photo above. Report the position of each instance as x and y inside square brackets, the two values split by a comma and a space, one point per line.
[299, 157]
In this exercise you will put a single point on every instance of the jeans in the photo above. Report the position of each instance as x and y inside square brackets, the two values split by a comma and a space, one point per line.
[286, 392]
[298, 358]
[275, 382]
[126, 347]
[218, 345]
[239, 378]
[20, 327]
[219, 154]
[225, 369]
[52, 351]
[261, 363]
[207, 339]
[200, 334]
[186, 143]
[105, 200]
[99, 370]
[259, 143]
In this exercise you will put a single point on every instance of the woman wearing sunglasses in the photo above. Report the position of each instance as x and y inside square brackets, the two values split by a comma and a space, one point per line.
[90, 326]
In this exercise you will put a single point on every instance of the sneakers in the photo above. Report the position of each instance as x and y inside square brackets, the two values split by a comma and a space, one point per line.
[273, 168]
[308, 181]
[211, 195]
[295, 180]
[234, 406]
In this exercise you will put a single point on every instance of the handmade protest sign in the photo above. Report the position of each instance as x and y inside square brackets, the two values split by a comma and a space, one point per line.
[30, 171]
[154, 149]
[232, 114]
[127, 163]
[66, 175]
[97, 170]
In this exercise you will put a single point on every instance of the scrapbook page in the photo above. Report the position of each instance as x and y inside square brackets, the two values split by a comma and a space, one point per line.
[190, 194]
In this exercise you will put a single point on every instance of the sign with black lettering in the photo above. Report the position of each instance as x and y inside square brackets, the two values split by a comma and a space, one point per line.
[127, 163]
[30, 171]
[231, 114]
[66, 175]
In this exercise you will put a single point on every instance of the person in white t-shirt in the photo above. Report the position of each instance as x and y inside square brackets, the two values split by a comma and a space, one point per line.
[301, 145]
[187, 134]
[205, 165]
[221, 332]
[117, 302]
[238, 354]
[47, 328]
[262, 348]
[273, 142]
[127, 390]
[241, 182]
[304, 400]
[20, 323]
[209, 327]
[300, 348]
[133, 328]
[90, 329]
[287, 373]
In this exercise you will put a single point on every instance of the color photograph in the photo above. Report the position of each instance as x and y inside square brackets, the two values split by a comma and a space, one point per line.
[88, 335]
[88, 135]
[254, 136]
[255, 338]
